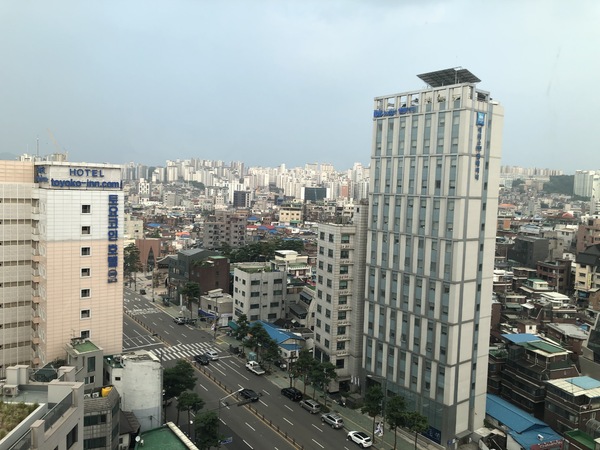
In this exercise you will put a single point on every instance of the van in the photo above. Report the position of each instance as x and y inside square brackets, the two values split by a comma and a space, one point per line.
[311, 406]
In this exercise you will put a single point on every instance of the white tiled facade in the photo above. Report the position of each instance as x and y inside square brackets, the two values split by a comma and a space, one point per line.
[58, 217]
[430, 251]
[340, 294]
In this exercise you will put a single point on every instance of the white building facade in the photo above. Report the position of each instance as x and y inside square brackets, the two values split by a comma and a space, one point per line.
[434, 192]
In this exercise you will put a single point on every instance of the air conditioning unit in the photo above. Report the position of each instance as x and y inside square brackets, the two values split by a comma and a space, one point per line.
[10, 390]
[96, 395]
[87, 395]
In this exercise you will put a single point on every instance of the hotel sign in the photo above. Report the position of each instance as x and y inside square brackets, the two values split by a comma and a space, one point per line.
[480, 122]
[113, 238]
[394, 112]
[83, 177]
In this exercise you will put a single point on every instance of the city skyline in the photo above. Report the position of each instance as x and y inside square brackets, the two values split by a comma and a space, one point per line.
[271, 83]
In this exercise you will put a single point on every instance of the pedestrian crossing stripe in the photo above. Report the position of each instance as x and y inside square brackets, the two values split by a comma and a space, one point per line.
[183, 350]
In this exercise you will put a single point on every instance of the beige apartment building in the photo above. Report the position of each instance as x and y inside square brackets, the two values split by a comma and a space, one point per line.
[60, 259]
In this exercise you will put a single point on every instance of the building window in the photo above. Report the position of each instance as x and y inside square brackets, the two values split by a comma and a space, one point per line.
[85, 293]
[73, 437]
[331, 238]
[86, 314]
[86, 229]
[330, 253]
[86, 251]
[86, 209]
[85, 272]
[341, 331]
[85, 334]
[339, 363]
[254, 306]
[327, 328]
[341, 315]
[91, 364]
[328, 313]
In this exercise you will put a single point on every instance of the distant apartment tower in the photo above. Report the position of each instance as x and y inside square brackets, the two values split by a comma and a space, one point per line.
[258, 292]
[430, 249]
[224, 227]
[61, 258]
[339, 298]
[241, 199]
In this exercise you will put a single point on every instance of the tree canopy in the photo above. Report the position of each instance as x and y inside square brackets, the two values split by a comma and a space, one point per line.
[178, 379]
[206, 426]
[372, 404]
[131, 260]
[261, 251]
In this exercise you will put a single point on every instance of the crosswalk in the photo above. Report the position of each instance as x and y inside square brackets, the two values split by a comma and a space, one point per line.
[184, 350]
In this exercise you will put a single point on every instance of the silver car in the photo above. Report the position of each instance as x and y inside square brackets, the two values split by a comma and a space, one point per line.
[333, 419]
[311, 406]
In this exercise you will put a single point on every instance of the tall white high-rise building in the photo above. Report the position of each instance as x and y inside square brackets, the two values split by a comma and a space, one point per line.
[434, 192]
[61, 257]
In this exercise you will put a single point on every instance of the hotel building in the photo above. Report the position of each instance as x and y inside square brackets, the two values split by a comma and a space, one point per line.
[430, 249]
[60, 259]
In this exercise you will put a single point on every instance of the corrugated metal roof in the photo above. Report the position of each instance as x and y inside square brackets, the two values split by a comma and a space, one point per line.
[588, 386]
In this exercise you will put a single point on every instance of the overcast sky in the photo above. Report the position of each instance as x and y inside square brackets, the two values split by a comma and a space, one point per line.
[272, 82]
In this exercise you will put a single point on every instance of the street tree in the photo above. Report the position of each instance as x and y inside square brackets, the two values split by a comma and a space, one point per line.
[303, 366]
[243, 328]
[372, 404]
[191, 402]
[415, 422]
[321, 375]
[395, 409]
[206, 426]
[190, 290]
[131, 262]
[258, 338]
[178, 379]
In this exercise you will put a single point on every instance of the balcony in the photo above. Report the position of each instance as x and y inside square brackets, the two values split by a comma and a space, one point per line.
[343, 338]
[35, 297]
[343, 323]
[346, 246]
[346, 261]
[344, 292]
[344, 308]
[37, 320]
[36, 278]
[345, 276]
[342, 353]
[35, 340]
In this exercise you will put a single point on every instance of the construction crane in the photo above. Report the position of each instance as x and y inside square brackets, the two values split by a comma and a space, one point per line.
[59, 150]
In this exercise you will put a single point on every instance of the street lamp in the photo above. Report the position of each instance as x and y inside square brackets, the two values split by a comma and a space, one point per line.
[221, 403]
[382, 382]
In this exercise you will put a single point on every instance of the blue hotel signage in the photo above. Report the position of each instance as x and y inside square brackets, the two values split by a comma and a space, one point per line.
[480, 122]
[393, 112]
[113, 238]
[80, 178]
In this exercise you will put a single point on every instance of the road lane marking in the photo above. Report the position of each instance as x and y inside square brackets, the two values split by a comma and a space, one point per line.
[247, 443]
[263, 403]
[289, 408]
[216, 368]
[250, 426]
[317, 427]
[288, 421]
[266, 392]
[202, 386]
[318, 443]
[166, 332]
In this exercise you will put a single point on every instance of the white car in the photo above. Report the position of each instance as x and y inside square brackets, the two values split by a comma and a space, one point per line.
[362, 439]
[212, 355]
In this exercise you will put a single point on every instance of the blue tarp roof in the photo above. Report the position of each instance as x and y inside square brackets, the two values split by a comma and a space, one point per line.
[279, 335]
[522, 427]
[519, 338]
[153, 225]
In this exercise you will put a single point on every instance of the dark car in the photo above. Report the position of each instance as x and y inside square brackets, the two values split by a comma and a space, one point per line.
[249, 394]
[292, 393]
[203, 360]
[143, 291]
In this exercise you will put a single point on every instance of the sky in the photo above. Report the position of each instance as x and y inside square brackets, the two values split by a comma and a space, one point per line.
[272, 82]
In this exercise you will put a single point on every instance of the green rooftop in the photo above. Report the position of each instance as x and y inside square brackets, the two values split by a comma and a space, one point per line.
[582, 438]
[543, 346]
[85, 346]
[164, 437]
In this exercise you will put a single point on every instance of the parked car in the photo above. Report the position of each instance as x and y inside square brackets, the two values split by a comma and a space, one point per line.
[292, 393]
[143, 291]
[362, 439]
[179, 320]
[212, 355]
[334, 420]
[249, 394]
[203, 360]
[311, 406]
[280, 363]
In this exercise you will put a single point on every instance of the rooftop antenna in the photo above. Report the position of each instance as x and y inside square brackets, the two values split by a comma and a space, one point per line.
[37, 146]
